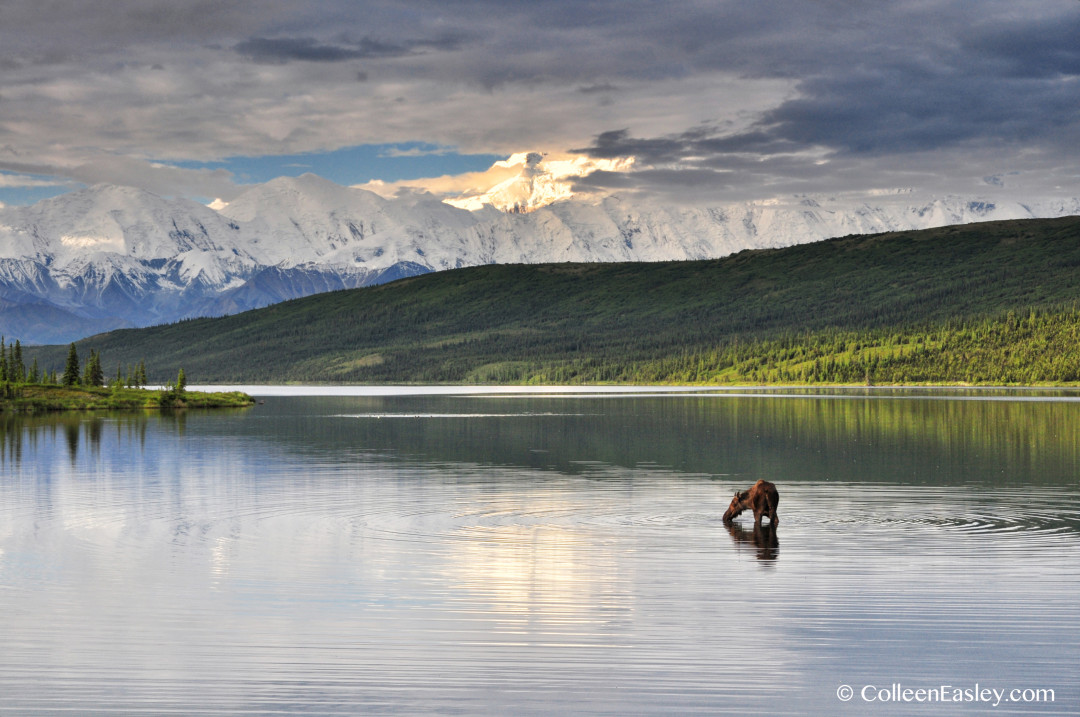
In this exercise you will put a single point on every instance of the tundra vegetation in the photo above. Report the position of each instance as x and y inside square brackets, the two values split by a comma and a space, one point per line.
[24, 389]
[996, 303]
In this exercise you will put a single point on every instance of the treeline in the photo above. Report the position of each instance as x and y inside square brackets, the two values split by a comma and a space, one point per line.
[94, 375]
[15, 376]
[13, 370]
[12, 367]
[1038, 348]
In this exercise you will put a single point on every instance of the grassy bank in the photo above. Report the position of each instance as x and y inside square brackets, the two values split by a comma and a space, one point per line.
[35, 398]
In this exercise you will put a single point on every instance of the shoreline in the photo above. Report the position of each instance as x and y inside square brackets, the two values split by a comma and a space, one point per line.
[45, 398]
[437, 389]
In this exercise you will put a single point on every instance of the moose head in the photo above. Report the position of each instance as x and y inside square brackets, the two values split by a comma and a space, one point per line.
[739, 503]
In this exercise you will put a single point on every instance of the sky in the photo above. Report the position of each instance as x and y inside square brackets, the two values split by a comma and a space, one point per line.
[709, 101]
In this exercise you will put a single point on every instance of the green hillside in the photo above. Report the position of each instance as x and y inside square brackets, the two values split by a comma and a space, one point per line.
[859, 306]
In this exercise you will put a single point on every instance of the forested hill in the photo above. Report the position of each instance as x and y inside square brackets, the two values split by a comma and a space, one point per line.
[756, 315]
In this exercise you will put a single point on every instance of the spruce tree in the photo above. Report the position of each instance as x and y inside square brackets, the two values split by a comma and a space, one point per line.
[17, 369]
[71, 368]
[95, 376]
[99, 372]
[181, 383]
[88, 369]
[35, 373]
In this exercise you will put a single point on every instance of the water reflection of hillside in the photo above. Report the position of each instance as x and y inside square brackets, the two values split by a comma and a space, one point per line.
[905, 439]
[911, 440]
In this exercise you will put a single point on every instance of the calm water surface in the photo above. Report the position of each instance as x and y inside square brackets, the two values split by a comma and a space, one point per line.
[542, 554]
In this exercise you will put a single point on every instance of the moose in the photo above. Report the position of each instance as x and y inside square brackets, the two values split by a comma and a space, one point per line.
[762, 498]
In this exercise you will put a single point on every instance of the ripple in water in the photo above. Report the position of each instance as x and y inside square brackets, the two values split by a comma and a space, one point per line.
[1035, 517]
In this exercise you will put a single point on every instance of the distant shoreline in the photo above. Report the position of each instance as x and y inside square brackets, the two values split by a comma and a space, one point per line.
[285, 390]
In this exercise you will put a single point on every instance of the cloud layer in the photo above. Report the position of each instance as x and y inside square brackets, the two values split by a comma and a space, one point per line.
[714, 100]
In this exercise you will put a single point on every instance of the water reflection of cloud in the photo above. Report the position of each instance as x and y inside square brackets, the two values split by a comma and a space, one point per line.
[540, 578]
[220, 560]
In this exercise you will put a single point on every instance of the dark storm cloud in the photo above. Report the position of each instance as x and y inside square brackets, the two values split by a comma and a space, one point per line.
[603, 87]
[1004, 81]
[734, 178]
[1028, 48]
[1009, 81]
[285, 49]
[77, 27]
[693, 145]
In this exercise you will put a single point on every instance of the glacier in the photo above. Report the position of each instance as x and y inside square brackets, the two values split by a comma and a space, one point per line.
[106, 257]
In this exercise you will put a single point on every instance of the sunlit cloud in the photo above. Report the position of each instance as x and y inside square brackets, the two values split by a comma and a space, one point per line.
[523, 182]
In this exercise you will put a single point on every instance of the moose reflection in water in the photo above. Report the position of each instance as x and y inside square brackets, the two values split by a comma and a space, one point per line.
[762, 537]
[762, 498]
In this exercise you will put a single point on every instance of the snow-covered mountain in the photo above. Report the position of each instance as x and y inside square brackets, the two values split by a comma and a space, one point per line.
[107, 257]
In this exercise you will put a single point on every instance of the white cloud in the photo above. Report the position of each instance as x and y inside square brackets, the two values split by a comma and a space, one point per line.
[20, 181]
[418, 152]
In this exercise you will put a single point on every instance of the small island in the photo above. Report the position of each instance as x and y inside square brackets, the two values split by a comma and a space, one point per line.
[30, 390]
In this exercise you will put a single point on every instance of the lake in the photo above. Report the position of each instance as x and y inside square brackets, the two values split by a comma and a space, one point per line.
[449, 551]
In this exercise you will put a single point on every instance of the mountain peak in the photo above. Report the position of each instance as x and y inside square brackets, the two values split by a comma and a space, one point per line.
[537, 182]
[306, 194]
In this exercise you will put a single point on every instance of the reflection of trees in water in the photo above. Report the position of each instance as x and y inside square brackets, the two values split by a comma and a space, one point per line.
[71, 433]
[176, 419]
[922, 439]
[11, 440]
[77, 431]
[93, 434]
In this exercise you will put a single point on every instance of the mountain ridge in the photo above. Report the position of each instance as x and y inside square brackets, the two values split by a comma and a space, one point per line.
[596, 321]
[107, 257]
